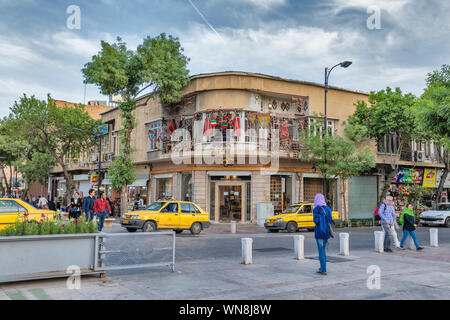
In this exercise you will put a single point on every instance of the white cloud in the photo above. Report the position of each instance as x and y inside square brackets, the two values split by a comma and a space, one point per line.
[266, 4]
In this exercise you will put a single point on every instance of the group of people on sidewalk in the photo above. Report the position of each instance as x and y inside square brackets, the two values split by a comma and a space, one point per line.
[323, 227]
[90, 207]
[389, 224]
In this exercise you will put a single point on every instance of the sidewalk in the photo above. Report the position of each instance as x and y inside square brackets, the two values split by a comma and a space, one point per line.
[404, 275]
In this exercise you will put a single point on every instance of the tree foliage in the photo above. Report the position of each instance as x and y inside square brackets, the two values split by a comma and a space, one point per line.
[49, 134]
[158, 64]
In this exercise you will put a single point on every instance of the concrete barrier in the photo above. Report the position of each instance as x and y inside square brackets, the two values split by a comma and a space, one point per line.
[344, 247]
[434, 237]
[233, 226]
[108, 223]
[247, 250]
[299, 247]
[379, 241]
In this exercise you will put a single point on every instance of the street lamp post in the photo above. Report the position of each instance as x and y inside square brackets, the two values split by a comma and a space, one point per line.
[344, 64]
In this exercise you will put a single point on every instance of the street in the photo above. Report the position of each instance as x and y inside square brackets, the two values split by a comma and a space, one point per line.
[208, 267]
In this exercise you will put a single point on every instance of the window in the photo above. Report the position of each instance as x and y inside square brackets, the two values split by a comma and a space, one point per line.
[170, 208]
[389, 144]
[306, 209]
[186, 208]
[8, 206]
[155, 206]
[319, 126]
[156, 128]
[196, 210]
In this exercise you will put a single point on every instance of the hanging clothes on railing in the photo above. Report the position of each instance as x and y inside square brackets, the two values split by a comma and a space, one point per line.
[284, 129]
[264, 119]
[236, 126]
[207, 127]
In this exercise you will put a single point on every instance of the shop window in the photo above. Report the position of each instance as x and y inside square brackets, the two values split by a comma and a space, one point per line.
[186, 187]
[164, 188]
[318, 126]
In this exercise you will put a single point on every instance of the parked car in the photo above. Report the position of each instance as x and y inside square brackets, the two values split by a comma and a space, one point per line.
[165, 214]
[299, 215]
[12, 210]
[441, 216]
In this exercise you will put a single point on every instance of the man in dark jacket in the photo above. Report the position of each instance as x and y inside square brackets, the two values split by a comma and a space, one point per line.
[88, 205]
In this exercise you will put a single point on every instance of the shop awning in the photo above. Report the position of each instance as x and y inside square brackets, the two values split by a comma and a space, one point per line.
[81, 177]
[106, 181]
[229, 173]
[139, 183]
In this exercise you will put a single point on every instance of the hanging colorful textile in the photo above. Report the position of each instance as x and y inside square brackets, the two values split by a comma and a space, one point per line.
[284, 130]
[152, 135]
[172, 127]
[251, 116]
[164, 137]
[213, 119]
[236, 126]
[207, 128]
[264, 119]
[224, 122]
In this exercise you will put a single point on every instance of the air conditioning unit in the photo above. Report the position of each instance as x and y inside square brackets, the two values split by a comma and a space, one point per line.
[420, 156]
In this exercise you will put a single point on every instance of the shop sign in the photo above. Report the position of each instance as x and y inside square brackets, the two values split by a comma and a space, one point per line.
[429, 178]
[94, 178]
[406, 175]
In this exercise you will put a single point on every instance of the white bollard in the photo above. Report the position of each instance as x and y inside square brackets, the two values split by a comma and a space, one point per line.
[379, 241]
[247, 250]
[299, 247]
[344, 244]
[434, 237]
[233, 226]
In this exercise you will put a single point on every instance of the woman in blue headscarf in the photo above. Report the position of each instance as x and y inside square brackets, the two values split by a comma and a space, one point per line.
[322, 217]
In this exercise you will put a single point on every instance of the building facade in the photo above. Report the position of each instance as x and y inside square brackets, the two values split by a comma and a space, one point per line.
[231, 143]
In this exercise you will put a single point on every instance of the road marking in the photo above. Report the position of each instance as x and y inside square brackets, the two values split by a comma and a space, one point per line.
[40, 294]
[17, 295]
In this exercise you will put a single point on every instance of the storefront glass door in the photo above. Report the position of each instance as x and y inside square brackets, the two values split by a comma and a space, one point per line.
[230, 202]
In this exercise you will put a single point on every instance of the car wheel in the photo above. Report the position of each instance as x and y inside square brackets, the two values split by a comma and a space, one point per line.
[178, 231]
[149, 226]
[291, 227]
[273, 230]
[131, 229]
[447, 222]
[196, 228]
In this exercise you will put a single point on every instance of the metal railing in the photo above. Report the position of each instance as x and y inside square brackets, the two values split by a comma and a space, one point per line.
[104, 244]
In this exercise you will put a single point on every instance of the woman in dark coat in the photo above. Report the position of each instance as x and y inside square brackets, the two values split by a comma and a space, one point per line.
[409, 226]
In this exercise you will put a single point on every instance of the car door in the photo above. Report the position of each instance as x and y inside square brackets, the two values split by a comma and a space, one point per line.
[187, 215]
[306, 216]
[10, 211]
[169, 216]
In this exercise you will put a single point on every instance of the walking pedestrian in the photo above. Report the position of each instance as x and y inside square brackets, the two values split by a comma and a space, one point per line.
[387, 215]
[43, 203]
[322, 220]
[102, 209]
[51, 205]
[75, 206]
[88, 205]
[408, 220]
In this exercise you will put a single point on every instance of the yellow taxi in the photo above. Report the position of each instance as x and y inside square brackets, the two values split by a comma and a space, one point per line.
[168, 214]
[13, 210]
[299, 215]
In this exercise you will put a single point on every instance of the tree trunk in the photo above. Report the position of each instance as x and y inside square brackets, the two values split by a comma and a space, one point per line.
[344, 204]
[386, 185]
[69, 182]
[8, 186]
[124, 200]
[441, 184]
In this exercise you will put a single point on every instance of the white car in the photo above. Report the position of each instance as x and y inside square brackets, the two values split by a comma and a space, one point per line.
[441, 216]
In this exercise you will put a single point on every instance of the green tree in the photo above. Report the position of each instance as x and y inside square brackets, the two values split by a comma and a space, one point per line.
[389, 115]
[50, 134]
[343, 158]
[432, 113]
[158, 64]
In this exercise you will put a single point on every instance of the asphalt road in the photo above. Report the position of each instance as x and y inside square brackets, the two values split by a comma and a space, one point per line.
[142, 249]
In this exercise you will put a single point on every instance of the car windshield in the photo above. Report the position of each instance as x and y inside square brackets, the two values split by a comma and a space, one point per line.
[444, 207]
[291, 209]
[155, 206]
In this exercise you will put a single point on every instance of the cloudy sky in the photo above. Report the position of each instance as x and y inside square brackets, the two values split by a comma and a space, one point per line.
[295, 39]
